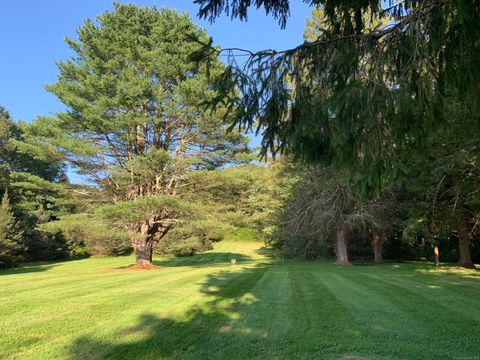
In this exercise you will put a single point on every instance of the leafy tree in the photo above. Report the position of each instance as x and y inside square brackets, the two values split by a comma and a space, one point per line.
[135, 123]
[147, 220]
[86, 234]
[10, 235]
[37, 202]
[318, 209]
[248, 196]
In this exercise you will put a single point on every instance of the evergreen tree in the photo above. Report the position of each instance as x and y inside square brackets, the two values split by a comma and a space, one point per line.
[373, 86]
[13, 159]
[10, 235]
[446, 188]
[135, 123]
[31, 176]
[358, 95]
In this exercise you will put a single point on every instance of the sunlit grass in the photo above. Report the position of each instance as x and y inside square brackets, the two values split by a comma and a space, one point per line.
[202, 307]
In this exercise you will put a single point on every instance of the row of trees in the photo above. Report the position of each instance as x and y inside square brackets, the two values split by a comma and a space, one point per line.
[385, 93]
[162, 166]
[323, 215]
[388, 155]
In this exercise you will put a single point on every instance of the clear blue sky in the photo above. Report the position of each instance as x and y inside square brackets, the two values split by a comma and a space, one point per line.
[32, 38]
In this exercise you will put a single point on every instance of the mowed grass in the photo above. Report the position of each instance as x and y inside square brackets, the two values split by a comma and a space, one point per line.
[202, 307]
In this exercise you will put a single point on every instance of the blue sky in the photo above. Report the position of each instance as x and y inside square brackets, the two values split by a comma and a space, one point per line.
[32, 38]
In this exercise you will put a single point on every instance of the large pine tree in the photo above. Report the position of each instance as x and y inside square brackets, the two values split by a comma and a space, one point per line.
[135, 123]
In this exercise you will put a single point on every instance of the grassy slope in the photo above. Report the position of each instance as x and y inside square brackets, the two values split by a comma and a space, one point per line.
[204, 308]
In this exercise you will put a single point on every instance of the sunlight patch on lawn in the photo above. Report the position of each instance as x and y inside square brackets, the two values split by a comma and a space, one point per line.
[451, 270]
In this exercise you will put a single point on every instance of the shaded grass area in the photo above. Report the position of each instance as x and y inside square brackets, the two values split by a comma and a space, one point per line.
[202, 307]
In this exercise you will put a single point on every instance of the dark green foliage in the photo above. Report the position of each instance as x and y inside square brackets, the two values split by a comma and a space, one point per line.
[345, 11]
[210, 9]
[11, 236]
[30, 176]
[318, 201]
[36, 202]
[387, 91]
[14, 160]
[87, 234]
[445, 204]
[177, 245]
[359, 96]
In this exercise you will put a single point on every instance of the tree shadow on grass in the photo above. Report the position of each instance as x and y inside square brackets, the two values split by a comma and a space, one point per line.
[269, 252]
[272, 312]
[29, 268]
[207, 259]
[199, 260]
[212, 330]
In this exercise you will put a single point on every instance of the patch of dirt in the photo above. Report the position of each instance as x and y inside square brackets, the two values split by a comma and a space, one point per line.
[131, 268]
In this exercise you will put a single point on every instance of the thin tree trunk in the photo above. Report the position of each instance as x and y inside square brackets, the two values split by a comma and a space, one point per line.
[377, 246]
[140, 139]
[341, 245]
[436, 253]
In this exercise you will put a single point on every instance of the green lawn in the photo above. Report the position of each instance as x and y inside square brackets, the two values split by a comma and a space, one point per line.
[204, 308]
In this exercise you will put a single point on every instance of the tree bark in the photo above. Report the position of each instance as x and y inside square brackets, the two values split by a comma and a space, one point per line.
[341, 246]
[377, 246]
[465, 259]
[143, 253]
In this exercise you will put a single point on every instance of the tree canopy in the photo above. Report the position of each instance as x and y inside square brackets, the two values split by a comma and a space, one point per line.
[362, 94]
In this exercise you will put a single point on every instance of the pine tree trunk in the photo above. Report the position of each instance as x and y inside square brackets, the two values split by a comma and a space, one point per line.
[377, 246]
[341, 245]
[465, 258]
[143, 253]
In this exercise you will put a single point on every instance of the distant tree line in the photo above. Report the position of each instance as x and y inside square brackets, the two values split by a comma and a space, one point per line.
[322, 216]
